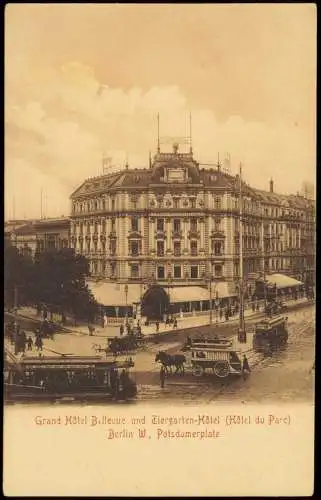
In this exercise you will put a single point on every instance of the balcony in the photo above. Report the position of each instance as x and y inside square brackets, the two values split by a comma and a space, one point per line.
[112, 234]
[177, 234]
[134, 234]
[194, 234]
[219, 234]
[217, 254]
[160, 234]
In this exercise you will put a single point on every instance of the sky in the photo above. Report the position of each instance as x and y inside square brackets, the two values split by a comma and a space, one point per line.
[84, 81]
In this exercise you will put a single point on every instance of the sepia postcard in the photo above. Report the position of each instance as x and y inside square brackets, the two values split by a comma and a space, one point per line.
[160, 249]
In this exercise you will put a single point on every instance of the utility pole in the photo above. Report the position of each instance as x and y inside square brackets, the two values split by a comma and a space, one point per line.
[211, 302]
[241, 333]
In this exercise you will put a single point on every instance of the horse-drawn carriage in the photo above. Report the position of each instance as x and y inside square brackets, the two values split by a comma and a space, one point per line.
[47, 329]
[271, 333]
[216, 356]
[275, 307]
[122, 345]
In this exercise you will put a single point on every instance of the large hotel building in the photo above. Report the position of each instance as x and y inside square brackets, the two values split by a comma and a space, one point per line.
[171, 231]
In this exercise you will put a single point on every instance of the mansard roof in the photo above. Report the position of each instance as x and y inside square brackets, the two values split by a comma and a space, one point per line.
[209, 178]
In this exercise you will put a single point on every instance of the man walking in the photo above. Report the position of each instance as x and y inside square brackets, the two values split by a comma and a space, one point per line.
[245, 366]
[162, 376]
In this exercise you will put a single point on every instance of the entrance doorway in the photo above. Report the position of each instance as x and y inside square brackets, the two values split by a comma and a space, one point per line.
[155, 303]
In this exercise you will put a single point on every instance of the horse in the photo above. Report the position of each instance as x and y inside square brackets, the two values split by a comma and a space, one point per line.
[169, 360]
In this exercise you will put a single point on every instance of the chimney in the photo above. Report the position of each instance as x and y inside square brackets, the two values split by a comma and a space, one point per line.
[271, 186]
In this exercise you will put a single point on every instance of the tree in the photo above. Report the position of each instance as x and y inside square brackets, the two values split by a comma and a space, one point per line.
[61, 283]
[18, 274]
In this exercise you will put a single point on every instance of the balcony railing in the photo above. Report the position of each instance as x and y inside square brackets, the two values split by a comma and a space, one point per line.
[194, 234]
[177, 233]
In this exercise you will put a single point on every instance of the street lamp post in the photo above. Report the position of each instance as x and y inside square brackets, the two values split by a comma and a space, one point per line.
[209, 279]
[126, 296]
[241, 332]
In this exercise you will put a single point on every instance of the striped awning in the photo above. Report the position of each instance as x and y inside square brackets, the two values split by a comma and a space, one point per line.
[282, 281]
[188, 294]
[115, 294]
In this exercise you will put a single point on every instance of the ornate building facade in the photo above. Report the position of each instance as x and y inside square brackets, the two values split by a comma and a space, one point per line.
[177, 224]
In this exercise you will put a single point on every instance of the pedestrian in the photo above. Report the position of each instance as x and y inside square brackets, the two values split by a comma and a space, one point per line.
[175, 323]
[257, 306]
[162, 376]
[105, 320]
[221, 314]
[253, 306]
[157, 326]
[23, 341]
[39, 343]
[245, 366]
[226, 315]
[29, 343]
[121, 330]
[91, 330]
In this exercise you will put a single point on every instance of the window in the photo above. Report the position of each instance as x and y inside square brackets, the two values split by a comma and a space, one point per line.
[194, 225]
[113, 204]
[194, 272]
[104, 204]
[177, 248]
[113, 247]
[160, 248]
[134, 271]
[194, 248]
[161, 272]
[217, 224]
[177, 225]
[134, 224]
[95, 246]
[177, 272]
[176, 202]
[113, 268]
[113, 224]
[193, 202]
[217, 248]
[160, 224]
[218, 270]
[103, 227]
[134, 248]
[217, 202]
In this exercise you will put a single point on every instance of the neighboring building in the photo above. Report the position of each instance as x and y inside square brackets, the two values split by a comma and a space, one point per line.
[9, 230]
[176, 224]
[24, 238]
[52, 234]
[40, 235]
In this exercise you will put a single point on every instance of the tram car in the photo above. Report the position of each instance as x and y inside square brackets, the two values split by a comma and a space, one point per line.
[270, 333]
[214, 356]
[82, 378]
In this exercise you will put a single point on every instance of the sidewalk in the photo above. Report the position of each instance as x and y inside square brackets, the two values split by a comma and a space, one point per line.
[189, 322]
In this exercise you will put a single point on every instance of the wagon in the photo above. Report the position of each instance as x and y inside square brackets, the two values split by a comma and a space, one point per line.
[220, 361]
